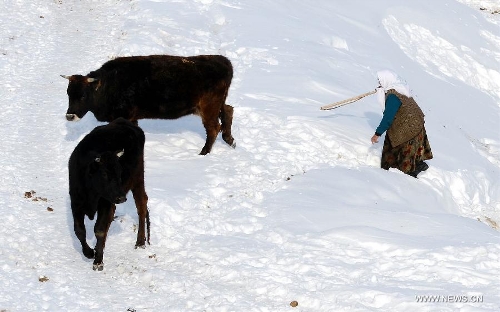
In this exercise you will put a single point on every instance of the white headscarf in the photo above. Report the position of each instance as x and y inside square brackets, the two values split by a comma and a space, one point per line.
[390, 80]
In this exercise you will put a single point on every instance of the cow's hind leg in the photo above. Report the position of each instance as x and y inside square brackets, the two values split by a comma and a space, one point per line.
[80, 232]
[226, 117]
[212, 130]
[105, 214]
[210, 118]
[141, 203]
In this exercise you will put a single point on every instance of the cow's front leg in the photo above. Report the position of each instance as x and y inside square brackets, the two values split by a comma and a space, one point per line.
[141, 203]
[105, 214]
[80, 232]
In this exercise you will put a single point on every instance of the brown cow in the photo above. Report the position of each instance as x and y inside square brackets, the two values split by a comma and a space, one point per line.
[157, 87]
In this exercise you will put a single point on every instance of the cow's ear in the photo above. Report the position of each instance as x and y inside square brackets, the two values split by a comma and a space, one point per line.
[91, 80]
[120, 153]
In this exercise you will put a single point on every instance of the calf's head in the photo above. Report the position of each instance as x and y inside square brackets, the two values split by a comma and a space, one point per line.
[104, 177]
[81, 95]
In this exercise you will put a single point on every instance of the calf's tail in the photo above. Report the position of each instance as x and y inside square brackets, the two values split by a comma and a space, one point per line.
[147, 225]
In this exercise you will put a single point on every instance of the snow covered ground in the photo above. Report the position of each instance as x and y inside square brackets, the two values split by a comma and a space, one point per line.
[300, 210]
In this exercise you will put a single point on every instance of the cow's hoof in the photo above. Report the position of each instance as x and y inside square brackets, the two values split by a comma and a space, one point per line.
[142, 246]
[233, 145]
[98, 266]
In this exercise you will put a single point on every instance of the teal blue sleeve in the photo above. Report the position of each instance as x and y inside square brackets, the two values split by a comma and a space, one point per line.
[392, 104]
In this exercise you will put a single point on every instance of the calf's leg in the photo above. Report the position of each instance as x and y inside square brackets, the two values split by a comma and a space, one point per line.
[80, 231]
[105, 214]
[141, 203]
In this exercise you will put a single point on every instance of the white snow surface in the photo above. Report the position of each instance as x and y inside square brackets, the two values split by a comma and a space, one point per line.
[300, 210]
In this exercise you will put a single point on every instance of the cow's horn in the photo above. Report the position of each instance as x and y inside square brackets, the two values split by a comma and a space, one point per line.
[67, 77]
[97, 159]
[91, 79]
[120, 153]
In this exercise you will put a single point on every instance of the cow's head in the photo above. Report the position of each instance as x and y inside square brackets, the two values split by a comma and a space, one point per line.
[81, 95]
[104, 176]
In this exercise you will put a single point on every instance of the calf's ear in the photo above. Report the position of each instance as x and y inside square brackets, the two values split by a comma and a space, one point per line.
[94, 165]
[120, 153]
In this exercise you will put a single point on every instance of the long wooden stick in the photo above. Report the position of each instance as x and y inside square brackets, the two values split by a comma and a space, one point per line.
[347, 101]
